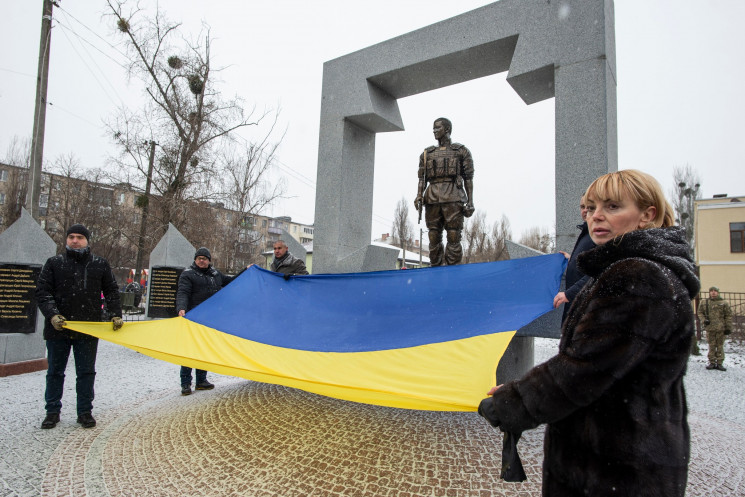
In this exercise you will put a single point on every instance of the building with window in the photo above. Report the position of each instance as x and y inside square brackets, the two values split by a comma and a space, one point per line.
[113, 214]
[719, 240]
[273, 227]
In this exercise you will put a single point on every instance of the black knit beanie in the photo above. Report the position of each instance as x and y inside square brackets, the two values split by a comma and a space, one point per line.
[79, 229]
[203, 252]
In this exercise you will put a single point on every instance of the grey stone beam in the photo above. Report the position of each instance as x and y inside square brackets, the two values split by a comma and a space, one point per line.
[562, 49]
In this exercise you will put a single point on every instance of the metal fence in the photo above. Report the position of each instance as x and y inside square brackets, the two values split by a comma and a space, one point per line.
[736, 302]
[133, 305]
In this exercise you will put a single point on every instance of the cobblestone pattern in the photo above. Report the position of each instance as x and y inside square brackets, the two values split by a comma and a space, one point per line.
[252, 439]
[265, 440]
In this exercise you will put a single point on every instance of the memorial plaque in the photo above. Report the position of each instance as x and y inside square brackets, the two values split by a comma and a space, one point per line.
[17, 297]
[163, 286]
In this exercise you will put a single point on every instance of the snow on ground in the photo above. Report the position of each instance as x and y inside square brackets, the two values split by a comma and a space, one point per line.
[715, 393]
[715, 398]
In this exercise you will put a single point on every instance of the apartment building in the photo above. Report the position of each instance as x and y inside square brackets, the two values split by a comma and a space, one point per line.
[114, 215]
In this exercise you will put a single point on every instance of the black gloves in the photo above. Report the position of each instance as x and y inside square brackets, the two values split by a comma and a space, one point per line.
[487, 411]
[512, 466]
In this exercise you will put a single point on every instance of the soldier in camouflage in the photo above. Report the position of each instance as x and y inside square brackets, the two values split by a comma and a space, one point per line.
[716, 316]
[448, 168]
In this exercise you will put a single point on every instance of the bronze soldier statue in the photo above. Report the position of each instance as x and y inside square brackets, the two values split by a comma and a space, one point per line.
[448, 168]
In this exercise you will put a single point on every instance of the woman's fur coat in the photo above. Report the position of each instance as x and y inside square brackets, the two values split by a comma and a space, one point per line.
[613, 397]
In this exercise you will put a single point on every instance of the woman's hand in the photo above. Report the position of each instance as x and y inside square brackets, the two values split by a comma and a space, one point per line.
[492, 390]
[560, 298]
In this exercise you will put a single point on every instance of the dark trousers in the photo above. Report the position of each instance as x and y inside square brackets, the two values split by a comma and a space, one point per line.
[186, 376]
[448, 216]
[58, 352]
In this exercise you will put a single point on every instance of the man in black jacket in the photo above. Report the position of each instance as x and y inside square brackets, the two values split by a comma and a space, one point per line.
[575, 279]
[70, 287]
[195, 285]
[286, 263]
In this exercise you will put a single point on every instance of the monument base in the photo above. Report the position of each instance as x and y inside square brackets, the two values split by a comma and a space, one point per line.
[22, 367]
[516, 361]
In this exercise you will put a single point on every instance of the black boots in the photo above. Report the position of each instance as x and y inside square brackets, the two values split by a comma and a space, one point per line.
[50, 421]
[202, 385]
[86, 419]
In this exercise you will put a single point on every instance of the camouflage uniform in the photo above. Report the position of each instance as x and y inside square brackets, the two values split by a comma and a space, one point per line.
[716, 316]
[445, 171]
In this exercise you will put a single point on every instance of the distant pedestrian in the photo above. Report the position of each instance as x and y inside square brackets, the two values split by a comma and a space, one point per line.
[716, 316]
[70, 287]
[195, 285]
[286, 263]
[575, 279]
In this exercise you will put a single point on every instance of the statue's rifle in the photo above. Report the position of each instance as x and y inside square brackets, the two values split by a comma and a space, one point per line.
[421, 202]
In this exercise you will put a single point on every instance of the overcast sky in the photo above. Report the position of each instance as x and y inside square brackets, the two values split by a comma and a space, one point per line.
[680, 93]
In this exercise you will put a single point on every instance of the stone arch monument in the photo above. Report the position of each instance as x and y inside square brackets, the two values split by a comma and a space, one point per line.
[552, 48]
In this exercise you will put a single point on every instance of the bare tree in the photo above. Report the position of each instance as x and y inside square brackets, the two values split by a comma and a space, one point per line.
[403, 230]
[501, 232]
[684, 193]
[17, 154]
[475, 238]
[186, 115]
[247, 191]
[74, 195]
[68, 198]
[482, 244]
[539, 239]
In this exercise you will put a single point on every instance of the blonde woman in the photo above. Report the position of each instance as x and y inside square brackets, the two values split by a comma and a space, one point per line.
[613, 397]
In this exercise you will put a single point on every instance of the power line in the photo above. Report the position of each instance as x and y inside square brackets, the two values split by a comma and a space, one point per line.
[92, 72]
[95, 34]
[284, 167]
[17, 72]
[80, 37]
[302, 177]
[53, 106]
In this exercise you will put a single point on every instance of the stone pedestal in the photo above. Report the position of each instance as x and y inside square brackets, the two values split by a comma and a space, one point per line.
[173, 251]
[518, 359]
[25, 243]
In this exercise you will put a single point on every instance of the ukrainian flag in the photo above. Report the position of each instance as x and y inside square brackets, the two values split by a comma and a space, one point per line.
[426, 339]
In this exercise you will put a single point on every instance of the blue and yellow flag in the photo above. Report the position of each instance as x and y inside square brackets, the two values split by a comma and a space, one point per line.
[426, 339]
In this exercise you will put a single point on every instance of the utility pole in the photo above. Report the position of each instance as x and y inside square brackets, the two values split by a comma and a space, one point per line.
[40, 112]
[145, 212]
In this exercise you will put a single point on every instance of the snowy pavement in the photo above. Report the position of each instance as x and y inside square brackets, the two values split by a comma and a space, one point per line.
[253, 439]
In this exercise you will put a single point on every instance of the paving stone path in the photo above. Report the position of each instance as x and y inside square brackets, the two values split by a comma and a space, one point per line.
[253, 439]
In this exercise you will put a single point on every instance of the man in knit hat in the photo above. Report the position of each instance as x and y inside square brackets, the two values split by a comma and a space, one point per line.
[196, 284]
[70, 287]
[716, 316]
